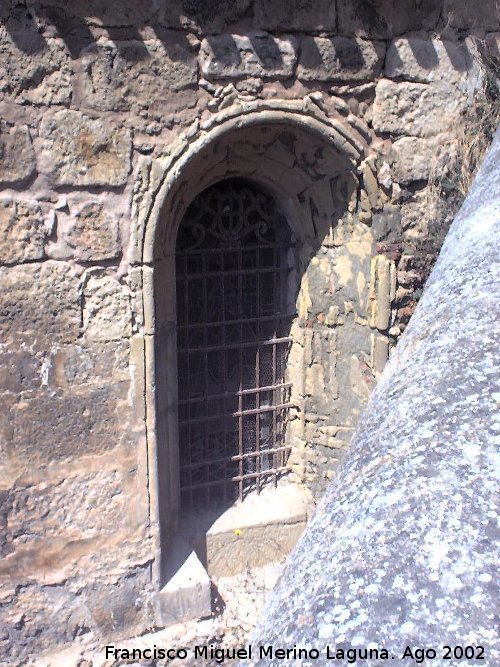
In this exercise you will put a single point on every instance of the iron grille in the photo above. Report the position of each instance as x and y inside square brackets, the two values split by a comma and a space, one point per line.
[233, 340]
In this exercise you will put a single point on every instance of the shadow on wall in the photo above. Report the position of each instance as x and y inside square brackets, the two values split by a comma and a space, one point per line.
[77, 21]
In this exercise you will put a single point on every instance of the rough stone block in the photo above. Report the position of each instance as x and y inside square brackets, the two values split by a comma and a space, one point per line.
[94, 234]
[78, 13]
[106, 312]
[255, 54]
[385, 18]
[427, 60]
[98, 363]
[19, 371]
[187, 595]
[50, 427]
[302, 15]
[207, 17]
[81, 151]
[34, 70]
[483, 15]
[418, 158]
[416, 109]
[41, 617]
[120, 75]
[42, 511]
[257, 531]
[379, 352]
[339, 59]
[382, 291]
[22, 232]
[17, 157]
[39, 302]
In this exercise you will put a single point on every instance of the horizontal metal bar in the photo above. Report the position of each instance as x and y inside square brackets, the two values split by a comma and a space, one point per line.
[228, 248]
[242, 413]
[237, 345]
[236, 458]
[232, 394]
[264, 318]
[225, 273]
[238, 478]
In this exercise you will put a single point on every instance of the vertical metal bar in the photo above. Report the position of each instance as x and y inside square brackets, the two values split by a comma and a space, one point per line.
[205, 375]
[257, 420]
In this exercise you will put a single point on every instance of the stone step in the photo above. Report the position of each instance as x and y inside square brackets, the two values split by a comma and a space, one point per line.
[187, 594]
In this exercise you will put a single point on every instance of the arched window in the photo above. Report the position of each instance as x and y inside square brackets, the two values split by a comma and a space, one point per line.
[233, 264]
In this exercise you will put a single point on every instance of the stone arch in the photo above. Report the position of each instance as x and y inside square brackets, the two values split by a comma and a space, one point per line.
[307, 161]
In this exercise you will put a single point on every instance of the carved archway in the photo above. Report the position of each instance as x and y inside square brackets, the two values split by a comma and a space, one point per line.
[307, 161]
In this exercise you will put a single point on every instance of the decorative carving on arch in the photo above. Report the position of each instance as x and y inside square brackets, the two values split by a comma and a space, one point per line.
[307, 160]
[161, 181]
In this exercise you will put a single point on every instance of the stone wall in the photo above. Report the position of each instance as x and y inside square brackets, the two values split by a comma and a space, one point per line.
[97, 102]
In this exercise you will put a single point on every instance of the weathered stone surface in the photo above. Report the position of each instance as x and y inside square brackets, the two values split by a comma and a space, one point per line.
[120, 75]
[43, 511]
[416, 109]
[34, 70]
[22, 232]
[106, 312]
[403, 549]
[19, 371]
[50, 427]
[476, 16]
[94, 234]
[382, 291]
[39, 302]
[79, 150]
[255, 54]
[418, 158]
[211, 17]
[98, 363]
[427, 60]
[302, 15]
[17, 157]
[81, 12]
[43, 616]
[385, 18]
[339, 59]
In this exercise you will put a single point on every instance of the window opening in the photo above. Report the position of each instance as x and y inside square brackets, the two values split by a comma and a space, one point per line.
[232, 271]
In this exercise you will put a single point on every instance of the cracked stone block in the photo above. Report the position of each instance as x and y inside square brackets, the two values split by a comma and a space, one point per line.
[106, 312]
[39, 302]
[22, 232]
[34, 70]
[427, 60]
[339, 59]
[302, 15]
[83, 151]
[255, 54]
[94, 234]
[17, 157]
[119, 75]
[417, 109]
